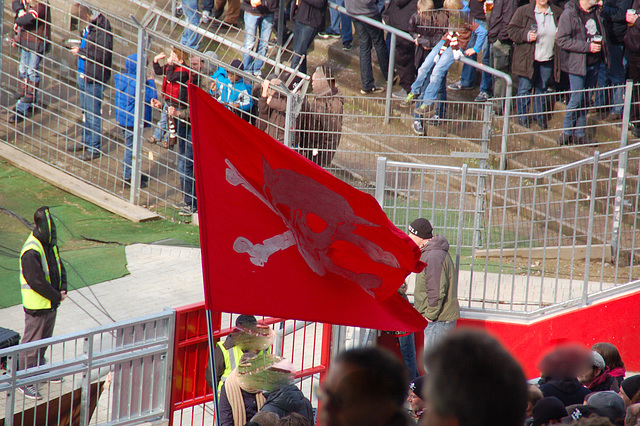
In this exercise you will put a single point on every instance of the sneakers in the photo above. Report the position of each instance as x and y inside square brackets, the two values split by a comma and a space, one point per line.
[143, 181]
[410, 97]
[347, 47]
[326, 35]
[16, 117]
[152, 140]
[30, 392]
[90, 155]
[482, 97]
[179, 11]
[400, 94]
[188, 210]
[435, 120]
[425, 109]
[417, 127]
[372, 90]
[565, 139]
[206, 17]
[458, 86]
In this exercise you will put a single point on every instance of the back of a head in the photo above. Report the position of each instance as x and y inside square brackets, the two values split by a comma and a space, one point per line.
[452, 5]
[547, 410]
[473, 379]
[265, 418]
[246, 321]
[382, 375]
[424, 5]
[294, 419]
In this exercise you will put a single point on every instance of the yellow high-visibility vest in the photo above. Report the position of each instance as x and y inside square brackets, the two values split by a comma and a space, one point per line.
[30, 298]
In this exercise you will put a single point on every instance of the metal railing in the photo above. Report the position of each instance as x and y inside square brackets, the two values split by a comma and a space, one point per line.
[526, 242]
[113, 374]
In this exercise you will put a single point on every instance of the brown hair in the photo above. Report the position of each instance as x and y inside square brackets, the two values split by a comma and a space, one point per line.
[181, 54]
[452, 4]
[294, 419]
[610, 354]
[424, 5]
[266, 418]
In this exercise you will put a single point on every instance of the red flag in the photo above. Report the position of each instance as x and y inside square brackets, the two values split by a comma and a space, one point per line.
[281, 236]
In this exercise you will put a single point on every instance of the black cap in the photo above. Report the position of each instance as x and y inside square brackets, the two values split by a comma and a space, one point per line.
[416, 386]
[237, 63]
[547, 409]
[422, 228]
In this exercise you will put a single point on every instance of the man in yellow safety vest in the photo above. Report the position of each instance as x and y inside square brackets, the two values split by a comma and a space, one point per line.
[43, 280]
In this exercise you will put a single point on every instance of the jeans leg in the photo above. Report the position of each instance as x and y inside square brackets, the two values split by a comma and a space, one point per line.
[29, 65]
[425, 69]
[486, 83]
[127, 133]
[408, 352]
[602, 98]
[437, 76]
[93, 118]
[377, 37]
[524, 91]
[160, 131]
[591, 80]
[366, 72]
[207, 5]
[250, 31]
[442, 96]
[576, 82]
[435, 331]
[303, 35]
[266, 26]
[345, 26]
[334, 25]
[616, 73]
[191, 38]
[542, 82]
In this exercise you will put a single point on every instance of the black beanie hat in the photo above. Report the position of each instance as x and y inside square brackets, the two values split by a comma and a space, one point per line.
[422, 228]
[631, 385]
[547, 409]
[416, 386]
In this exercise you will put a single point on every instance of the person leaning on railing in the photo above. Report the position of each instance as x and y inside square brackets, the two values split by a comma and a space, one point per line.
[272, 107]
[535, 56]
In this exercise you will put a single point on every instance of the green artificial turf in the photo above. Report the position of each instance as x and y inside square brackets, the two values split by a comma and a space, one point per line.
[91, 240]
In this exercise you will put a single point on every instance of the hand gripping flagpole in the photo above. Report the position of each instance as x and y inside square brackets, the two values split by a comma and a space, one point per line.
[212, 363]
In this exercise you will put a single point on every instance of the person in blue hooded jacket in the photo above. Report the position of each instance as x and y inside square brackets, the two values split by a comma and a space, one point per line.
[125, 103]
[230, 89]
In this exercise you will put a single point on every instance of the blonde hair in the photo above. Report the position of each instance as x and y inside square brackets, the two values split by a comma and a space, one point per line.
[180, 54]
[424, 5]
[452, 4]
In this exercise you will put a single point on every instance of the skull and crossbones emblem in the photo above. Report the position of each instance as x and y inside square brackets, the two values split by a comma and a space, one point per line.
[316, 217]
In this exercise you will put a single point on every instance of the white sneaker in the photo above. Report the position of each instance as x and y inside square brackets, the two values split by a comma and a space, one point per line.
[206, 17]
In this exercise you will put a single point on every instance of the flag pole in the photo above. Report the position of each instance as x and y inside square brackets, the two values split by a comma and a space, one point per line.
[212, 363]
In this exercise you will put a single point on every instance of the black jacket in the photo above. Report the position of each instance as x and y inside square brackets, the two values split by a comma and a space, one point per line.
[613, 17]
[397, 13]
[286, 400]
[31, 265]
[266, 7]
[632, 37]
[34, 26]
[98, 50]
[226, 412]
[503, 11]
[310, 12]
[569, 391]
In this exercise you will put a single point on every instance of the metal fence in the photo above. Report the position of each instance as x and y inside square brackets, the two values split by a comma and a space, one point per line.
[527, 242]
[114, 374]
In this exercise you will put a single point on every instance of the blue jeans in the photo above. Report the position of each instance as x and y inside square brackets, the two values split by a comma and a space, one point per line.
[91, 94]
[408, 351]
[435, 331]
[185, 163]
[191, 38]
[207, 5]
[612, 76]
[425, 69]
[303, 36]
[163, 125]
[437, 76]
[542, 77]
[441, 109]
[371, 37]
[344, 26]
[127, 133]
[29, 66]
[253, 23]
[575, 118]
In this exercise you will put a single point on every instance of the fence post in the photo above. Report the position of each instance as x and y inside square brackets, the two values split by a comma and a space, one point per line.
[12, 369]
[85, 396]
[463, 187]
[392, 65]
[289, 121]
[381, 179]
[138, 120]
[618, 206]
[2, 53]
[484, 149]
[505, 124]
[592, 207]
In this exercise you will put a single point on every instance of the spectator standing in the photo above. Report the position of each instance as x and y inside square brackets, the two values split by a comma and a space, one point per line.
[233, 11]
[340, 26]
[473, 381]
[612, 359]
[33, 34]
[259, 17]
[365, 386]
[125, 102]
[309, 17]
[320, 122]
[436, 292]
[230, 89]
[286, 400]
[632, 43]
[583, 45]
[415, 398]
[498, 34]
[535, 56]
[43, 280]
[370, 37]
[94, 70]
[560, 369]
[398, 13]
[615, 26]
[426, 26]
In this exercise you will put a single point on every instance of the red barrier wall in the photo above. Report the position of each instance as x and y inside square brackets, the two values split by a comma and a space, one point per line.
[614, 321]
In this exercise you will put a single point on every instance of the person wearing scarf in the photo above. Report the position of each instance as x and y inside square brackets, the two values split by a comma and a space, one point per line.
[238, 401]
[597, 377]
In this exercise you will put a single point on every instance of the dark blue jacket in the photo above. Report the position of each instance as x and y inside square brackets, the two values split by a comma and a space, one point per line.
[125, 84]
